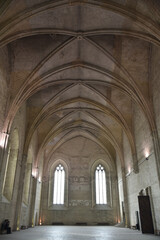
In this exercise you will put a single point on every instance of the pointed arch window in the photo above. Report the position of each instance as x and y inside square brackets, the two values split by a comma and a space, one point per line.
[100, 185]
[59, 185]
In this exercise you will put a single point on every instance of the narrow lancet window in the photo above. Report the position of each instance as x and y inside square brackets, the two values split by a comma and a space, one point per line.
[59, 183]
[100, 184]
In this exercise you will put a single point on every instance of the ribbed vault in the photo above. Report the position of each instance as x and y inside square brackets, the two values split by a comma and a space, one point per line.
[78, 79]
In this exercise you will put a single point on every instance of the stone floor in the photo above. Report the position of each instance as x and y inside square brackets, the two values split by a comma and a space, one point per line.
[78, 233]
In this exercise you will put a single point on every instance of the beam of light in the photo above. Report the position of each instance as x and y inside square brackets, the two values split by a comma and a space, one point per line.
[35, 172]
[3, 139]
[146, 153]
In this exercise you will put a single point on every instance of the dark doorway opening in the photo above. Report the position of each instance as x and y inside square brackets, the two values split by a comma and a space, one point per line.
[145, 214]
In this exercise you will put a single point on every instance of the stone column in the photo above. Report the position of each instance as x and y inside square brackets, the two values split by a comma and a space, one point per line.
[33, 200]
[149, 193]
[3, 143]
[127, 221]
[117, 199]
[3, 155]
[135, 163]
[20, 194]
[27, 177]
[3, 170]
[157, 152]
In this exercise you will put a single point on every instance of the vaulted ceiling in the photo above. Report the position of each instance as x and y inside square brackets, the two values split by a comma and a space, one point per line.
[80, 66]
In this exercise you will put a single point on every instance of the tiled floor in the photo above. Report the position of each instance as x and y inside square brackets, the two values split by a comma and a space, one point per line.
[78, 233]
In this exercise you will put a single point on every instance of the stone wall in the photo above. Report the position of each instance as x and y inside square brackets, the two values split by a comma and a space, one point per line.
[147, 177]
[4, 83]
[8, 208]
[79, 154]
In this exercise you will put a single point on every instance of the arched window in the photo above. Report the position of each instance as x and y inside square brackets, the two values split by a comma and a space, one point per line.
[100, 185]
[59, 184]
